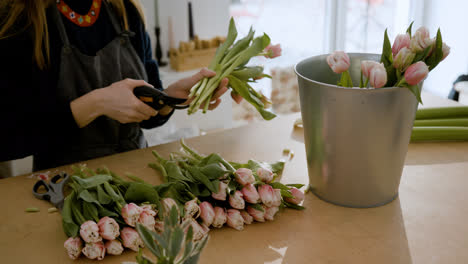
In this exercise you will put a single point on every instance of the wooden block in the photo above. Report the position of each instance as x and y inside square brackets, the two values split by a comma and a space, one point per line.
[193, 59]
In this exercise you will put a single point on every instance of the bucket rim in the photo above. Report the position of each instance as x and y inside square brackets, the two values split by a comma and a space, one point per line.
[352, 54]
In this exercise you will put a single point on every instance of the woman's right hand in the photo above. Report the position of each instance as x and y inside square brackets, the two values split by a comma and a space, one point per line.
[116, 101]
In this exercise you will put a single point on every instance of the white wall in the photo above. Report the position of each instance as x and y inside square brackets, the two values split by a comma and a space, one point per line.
[451, 17]
[210, 19]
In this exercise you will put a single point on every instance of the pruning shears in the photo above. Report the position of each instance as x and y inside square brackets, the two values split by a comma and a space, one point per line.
[158, 99]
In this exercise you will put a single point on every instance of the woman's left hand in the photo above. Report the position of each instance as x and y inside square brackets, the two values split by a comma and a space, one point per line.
[181, 88]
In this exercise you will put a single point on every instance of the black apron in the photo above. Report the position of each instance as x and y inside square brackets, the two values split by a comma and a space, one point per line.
[79, 74]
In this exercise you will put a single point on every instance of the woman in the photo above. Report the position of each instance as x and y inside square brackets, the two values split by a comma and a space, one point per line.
[67, 73]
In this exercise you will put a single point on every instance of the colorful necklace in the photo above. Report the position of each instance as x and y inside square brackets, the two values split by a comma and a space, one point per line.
[80, 20]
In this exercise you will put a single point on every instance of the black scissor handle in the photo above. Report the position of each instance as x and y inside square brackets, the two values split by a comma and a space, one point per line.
[158, 99]
[43, 196]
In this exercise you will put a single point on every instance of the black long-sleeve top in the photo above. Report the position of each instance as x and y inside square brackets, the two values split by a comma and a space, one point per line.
[32, 118]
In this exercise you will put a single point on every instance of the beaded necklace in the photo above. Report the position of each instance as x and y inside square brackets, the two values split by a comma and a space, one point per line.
[80, 20]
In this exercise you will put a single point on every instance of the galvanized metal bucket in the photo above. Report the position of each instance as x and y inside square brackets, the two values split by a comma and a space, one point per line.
[356, 139]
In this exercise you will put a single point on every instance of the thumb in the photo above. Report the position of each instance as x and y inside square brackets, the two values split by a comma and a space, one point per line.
[132, 83]
[205, 72]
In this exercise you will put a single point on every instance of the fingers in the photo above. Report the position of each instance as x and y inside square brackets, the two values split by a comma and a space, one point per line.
[214, 105]
[145, 109]
[132, 83]
[165, 110]
[205, 72]
[236, 97]
[222, 88]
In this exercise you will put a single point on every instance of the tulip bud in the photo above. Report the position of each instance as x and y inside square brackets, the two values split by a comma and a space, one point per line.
[192, 209]
[94, 250]
[149, 209]
[272, 51]
[298, 196]
[258, 215]
[207, 213]
[130, 213]
[270, 212]
[221, 194]
[378, 76]
[277, 200]
[401, 41]
[338, 61]
[236, 200]
[234, 219]
[167, 204]
[268, 195]
[416, 73]
[445, 50]
[367, 66]
[159, 226]
[147, 220]
[108, 228]
[250, 194]
[248, 219]
[89, 232]
[219, 217]
[403, 59]
[244, 176]
[131, 239]
[265, 175]
[199, 231]
[114, 247]
[420, 40]
[73, 247]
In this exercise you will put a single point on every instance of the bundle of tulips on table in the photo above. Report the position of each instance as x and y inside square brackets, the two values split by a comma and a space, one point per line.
[109, 213]
[404, 64]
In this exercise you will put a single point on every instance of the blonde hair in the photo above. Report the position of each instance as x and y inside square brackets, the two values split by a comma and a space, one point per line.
[32, 14]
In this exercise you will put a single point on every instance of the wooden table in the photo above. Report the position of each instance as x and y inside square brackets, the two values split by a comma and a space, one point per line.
[426, 224]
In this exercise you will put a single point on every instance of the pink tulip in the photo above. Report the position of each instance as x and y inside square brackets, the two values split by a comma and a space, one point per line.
[248, 219]
[265, 175]
[148, 208]
[367, 66]
[207, 213]
[192, 209]
[130, 213]
[244, 176]
[277, 200]
[445, 50]
[401, 41]
[420, 40]
[199, 231]
[338, 61]
[89, 232]
[268, 195]
[114, 247]
[250, 194]
[270, 212]
[258, 215]
[131, 239]
[403, 59]
[221, 194]
[236, 201]
[159, 226]
[416, 73]
[108, 228]
[147, 220]
[219, 217]
[272, 51]
[234, 219]
[94, 250]
[73, 247]
[378, 76]
[298, 196]
[167, 204]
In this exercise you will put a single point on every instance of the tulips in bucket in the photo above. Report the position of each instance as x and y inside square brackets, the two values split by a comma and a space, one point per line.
[406, 63]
